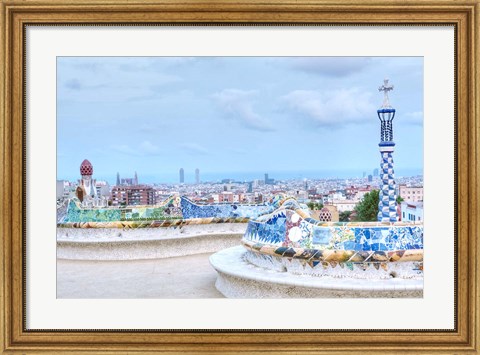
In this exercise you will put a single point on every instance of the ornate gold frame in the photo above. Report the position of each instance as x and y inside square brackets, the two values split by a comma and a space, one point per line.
[463, 14]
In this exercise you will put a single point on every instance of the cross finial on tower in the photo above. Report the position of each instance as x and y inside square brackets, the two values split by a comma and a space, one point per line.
[385, 88]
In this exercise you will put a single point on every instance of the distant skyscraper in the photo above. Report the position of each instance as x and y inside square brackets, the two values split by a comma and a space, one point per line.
[136, 178]
[370, 178]
[250, 187]
[197, 176]
[118, 179]
[375, 172]
[364, 174]
[182, 176]
[269, 181]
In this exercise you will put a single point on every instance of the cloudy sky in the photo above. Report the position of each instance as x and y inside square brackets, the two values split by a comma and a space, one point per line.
[234, 117]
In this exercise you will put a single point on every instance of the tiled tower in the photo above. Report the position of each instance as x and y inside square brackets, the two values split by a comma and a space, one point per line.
[86, 191]
[387, 206]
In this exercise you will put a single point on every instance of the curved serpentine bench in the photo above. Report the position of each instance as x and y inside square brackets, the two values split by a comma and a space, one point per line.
[174, 209]
[289, 239]
[177, 227]
[288, 254]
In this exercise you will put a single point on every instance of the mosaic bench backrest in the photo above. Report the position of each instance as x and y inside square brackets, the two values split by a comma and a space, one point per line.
[290, 227]
[173, 207]
[168, 209]
[193, 210]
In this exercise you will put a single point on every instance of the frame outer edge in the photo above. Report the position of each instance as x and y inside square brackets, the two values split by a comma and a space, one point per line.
[193, 5]
[3, 254]
[471, 78]
[471, 109]
[5, 179]
[475, 57]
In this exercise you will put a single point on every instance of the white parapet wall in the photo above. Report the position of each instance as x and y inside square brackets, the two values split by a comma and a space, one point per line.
[238, 278]
[146, 243]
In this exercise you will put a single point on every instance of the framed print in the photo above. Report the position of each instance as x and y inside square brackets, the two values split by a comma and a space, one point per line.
[249, 177]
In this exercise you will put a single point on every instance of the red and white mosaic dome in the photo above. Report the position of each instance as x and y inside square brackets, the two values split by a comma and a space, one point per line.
[325, 215]
[86, 168]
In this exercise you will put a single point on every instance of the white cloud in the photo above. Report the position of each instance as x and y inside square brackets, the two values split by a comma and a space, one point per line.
[104, 80]
[415, 118]
[125, 149]
[331, 66]
[144, 149]
[332, 108]
[238, 104]
[194, 148]
[239, 151]
[153, 64]
[148, 148]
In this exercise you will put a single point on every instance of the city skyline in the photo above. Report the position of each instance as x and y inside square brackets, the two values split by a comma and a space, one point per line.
[155, 115]
[189, 177]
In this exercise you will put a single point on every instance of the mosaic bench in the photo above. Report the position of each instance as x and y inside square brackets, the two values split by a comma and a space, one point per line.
[288, 239]
[174, 211]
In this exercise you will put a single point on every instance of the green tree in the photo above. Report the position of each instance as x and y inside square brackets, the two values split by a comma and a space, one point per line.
[344, 216]
[315, 205]
[367, 209]
[399, 200]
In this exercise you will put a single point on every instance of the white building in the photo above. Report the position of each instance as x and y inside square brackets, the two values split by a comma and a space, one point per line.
[60, 189]
[361, 193]
[228, 197]
[248, 197]
[336, 196]
[344, 205]
[412, 211]
[411, 193]
[103, 188]
[299, 195]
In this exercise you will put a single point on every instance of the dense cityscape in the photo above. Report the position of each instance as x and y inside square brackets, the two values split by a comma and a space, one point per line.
[339, 196]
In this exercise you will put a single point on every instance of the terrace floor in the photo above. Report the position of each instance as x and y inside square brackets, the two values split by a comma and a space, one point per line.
[179, 277]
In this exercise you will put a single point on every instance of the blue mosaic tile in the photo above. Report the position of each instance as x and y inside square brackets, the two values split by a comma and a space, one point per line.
[341, 236]
[192, 210]
[348, 245]
[321, 235]
[357, 247]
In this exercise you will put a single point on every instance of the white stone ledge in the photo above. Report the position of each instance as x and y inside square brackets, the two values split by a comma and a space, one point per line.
[136, 234]
[156, 243]
[240, 279]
